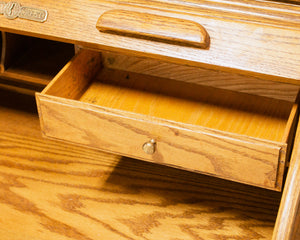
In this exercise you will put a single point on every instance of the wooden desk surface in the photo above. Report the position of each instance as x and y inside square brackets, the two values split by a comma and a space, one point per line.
[51, 190]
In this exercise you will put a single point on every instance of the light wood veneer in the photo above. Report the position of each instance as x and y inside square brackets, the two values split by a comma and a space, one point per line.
[201, 76]
[288, 220]
[51, 189]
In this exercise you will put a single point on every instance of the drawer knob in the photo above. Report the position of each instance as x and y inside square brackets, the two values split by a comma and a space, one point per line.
[149, 147]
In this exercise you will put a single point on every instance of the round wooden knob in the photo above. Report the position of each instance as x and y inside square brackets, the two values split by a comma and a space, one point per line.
[149, 147]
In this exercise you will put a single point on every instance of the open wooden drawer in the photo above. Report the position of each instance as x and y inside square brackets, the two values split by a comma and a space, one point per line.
[230, 135]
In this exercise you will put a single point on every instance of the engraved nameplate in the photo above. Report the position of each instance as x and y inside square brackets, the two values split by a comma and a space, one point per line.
[12, 10]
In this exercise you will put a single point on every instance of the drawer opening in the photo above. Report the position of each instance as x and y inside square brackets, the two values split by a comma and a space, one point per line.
[28, 62]
[223, 110]
[188, 103]
[200, 128]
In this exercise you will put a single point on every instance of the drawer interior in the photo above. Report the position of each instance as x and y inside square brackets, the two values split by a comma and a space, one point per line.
[191, 104]
[188, 103]
[30, 62]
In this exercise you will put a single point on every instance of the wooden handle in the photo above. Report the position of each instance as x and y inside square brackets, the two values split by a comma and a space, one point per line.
[155, 27]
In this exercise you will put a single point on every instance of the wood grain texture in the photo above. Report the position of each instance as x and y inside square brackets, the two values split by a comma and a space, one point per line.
[191, 104]
[52, 190]
[296, 227]
[248, 38]
[124, 131]
[1, 46]
[201, 76]
[75, 76]
[258, 11]
[206, 152]
[287, 223]
[156, 27]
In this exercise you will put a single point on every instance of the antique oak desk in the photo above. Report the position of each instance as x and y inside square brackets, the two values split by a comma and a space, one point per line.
[160, 119]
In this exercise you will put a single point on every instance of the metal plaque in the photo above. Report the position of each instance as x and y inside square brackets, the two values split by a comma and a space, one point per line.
[12, 10]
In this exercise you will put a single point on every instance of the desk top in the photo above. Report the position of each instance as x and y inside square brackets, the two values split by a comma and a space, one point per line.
[258, 38]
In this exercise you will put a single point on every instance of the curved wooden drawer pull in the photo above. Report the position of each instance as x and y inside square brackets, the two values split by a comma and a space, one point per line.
[155, 27]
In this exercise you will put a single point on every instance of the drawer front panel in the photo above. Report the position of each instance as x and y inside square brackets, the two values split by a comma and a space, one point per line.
[204, 151]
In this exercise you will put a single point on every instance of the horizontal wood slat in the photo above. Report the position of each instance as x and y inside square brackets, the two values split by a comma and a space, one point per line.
[201, 76]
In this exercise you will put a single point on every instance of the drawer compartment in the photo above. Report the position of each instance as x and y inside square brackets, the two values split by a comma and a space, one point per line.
[231, 135]
[29, 62]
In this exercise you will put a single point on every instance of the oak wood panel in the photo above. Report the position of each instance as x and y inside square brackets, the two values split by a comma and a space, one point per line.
[75, 76]
[202, 76]
[287, 222]
[257, 11]
[296, 227]
[53, 190]
[237, 41]
[213, 154]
